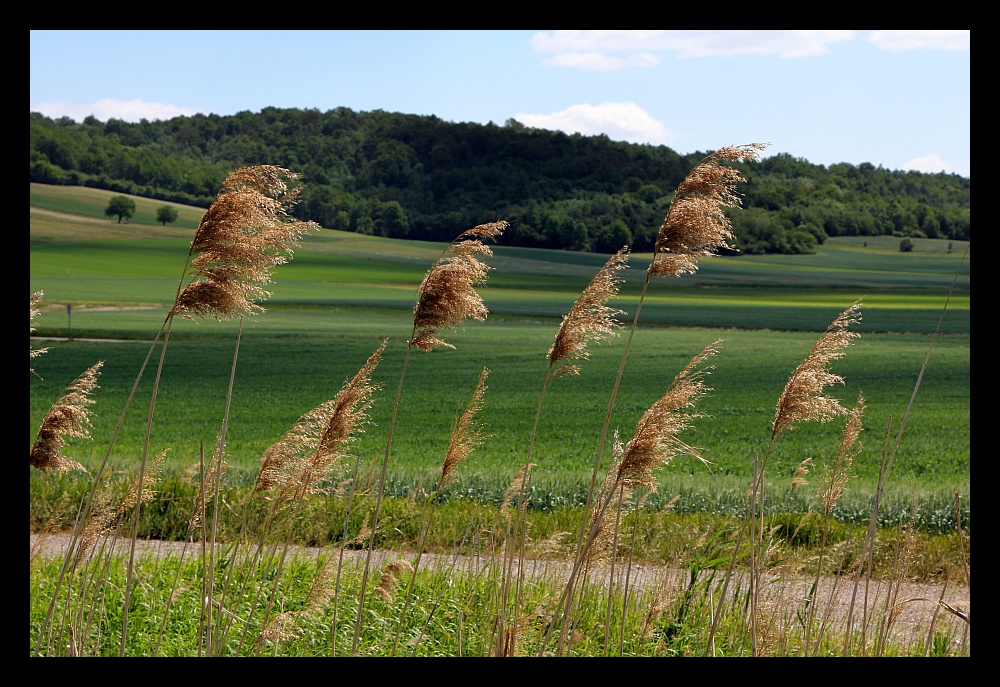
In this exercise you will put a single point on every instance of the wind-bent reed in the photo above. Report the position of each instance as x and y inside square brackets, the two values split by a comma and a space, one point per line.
[695, 226]
[32, 314]
[466, 435]
[654, 445]
[590, 320]
[802, 400]
[446, 297]
[246, 231]
[67, 417]
[299, 465]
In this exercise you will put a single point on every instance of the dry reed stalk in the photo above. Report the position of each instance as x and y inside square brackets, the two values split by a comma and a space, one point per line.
[653, 445]
[466, 435]
[68, 417]
[446, 297]
[695, 226]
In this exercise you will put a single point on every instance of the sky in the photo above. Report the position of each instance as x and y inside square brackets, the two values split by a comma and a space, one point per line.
[895, 99]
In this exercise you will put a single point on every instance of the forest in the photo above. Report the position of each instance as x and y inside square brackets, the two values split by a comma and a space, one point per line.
[420, 177]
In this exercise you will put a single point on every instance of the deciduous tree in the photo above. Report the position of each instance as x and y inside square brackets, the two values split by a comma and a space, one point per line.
[121, 206]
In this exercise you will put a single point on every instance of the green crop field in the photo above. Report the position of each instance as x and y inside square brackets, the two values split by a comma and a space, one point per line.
[342, 294]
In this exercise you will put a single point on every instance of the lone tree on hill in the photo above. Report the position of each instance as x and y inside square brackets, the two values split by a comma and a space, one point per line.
[121, 206]
[166, 214]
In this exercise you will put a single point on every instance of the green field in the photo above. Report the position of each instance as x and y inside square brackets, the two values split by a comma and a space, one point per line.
[342, 294]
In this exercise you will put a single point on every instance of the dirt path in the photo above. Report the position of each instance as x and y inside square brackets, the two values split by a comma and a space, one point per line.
[915, 604]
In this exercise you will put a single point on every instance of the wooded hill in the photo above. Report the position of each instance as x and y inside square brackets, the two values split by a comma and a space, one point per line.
[423, 178]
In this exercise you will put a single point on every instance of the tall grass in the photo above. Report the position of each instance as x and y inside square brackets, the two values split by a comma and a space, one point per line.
[501, 583]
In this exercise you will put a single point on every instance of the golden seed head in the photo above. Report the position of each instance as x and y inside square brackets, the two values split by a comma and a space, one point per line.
[447, 295]
[802, 399]
[696, 224]
[69, 417]
[245, 232]
[590, 318]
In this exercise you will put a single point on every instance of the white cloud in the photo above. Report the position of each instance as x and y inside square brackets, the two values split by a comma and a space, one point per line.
[619, 121]
[600, 62]
[897, 41]
[619, 49]
[928, 164]
[106, 108]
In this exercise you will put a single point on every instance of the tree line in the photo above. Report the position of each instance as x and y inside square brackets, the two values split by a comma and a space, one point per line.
[420, 177]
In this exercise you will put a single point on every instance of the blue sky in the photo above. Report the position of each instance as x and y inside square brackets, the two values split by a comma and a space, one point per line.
[896, 99]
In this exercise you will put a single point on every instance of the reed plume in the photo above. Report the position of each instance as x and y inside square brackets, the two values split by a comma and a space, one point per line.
[590, 318]
[466, 434]
[69, 417]
[33, 313]
[696, 224]
[246, 231]
[447, 294]
[802, 399]
[655, 442]
[390, 578]
[304, 458]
